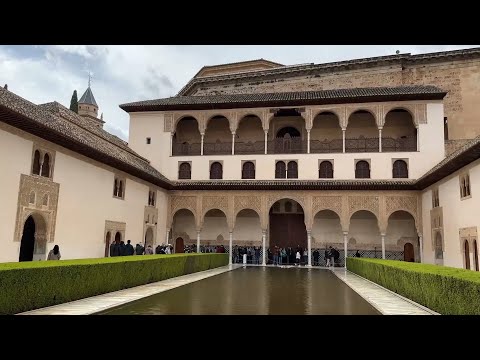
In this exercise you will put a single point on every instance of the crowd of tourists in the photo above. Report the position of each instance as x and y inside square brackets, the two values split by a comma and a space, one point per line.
[119, 248]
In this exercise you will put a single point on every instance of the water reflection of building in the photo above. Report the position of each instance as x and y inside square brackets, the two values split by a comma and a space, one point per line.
[249, 152]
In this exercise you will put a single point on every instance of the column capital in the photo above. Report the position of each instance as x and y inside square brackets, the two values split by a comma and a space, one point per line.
[380, 128]
[309, 232]
[383, 234]
[345, 233]
[344, 129]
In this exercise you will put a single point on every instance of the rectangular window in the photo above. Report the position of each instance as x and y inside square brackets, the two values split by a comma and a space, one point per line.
[152, 198]
[149, 140]
[119, 187]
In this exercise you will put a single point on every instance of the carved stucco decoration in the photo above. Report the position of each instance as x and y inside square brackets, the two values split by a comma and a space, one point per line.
[183, 202]
[37, 196]
[375, 110]
[247, 202]
[168, 123]
[404, 203]
[369, 203]
[468, 234]
[339, 111]
[113, 227]
[216, 202]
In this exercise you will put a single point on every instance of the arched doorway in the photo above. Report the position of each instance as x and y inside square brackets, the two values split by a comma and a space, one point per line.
[149, 237]
[475, 254]
[108, 238]
[438, 249]
[467, 255]
[184, 226]
[179, 246]
[287, 225]
[408, 252]
[118, 237]
[33, 239]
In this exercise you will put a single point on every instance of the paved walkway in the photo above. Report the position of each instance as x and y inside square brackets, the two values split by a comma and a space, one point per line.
[103, 302]
[384, 300]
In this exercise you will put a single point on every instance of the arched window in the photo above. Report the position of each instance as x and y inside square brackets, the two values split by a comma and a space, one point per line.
[467, 255]
[150, 198]
[118, 237]
[400, 169]
[326, 170]
[46, 166]
[185, 171]
[45, 200]
[115, 188]
[288, 206]
[154, 198]
[36, 163]
[120, 188]
[216, 171]
[362, 170]
[292, 171]
[280, 170]
[248, 170]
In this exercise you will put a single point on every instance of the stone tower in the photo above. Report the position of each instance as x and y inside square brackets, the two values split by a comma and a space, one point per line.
[88, 108]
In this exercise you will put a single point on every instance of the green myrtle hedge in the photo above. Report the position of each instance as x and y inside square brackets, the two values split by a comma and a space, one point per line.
[30, 285]
[446, 290]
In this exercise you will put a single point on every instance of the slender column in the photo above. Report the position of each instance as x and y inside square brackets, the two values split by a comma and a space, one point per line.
[420, 240]
[230, 245]
[198, 241]
[309, 237]
[472, 259]
[201, 145]
[264, 236]
[308, 141]
[343, 137]
[345, 246]
[171, 144]
[379, 139]
[266, 140]
[383, 246]
[167, 237]
[233, 143]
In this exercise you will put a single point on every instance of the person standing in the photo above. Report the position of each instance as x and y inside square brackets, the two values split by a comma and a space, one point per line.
[129, 249]
[327, 257]
[297, 257]
[305, 257]
[54, 254]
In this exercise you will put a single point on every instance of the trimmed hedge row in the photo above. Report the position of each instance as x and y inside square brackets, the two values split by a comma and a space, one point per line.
[446, 290]
[31, 285]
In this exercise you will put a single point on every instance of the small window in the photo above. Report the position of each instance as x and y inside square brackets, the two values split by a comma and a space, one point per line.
[248, 170]
[445, 128]
[435, 198]
[280, 170]
[362, 170]
[326, 170]
[464, 185]
[185, 171]
[292, 170]
[216, 170]
[152, 198]
[400, 169]
[46, 166]
[31, 199]
[36, 163]
[149, 141]
[119, 188]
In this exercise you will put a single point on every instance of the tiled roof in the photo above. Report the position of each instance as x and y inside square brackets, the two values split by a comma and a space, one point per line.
[288, 98]
[455, 161]
[87, 98]
[357, 184]
[75, 135]
[314, 69]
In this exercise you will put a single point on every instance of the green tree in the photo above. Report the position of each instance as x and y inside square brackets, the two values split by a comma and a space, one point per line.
[74, 102]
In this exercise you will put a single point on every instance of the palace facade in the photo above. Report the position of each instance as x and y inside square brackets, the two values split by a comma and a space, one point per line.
[378, 155]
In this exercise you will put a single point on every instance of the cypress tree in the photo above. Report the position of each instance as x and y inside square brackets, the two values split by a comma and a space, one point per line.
[74, 102]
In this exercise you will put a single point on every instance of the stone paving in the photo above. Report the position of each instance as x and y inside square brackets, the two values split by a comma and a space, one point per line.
[103, 302]
[384, 300]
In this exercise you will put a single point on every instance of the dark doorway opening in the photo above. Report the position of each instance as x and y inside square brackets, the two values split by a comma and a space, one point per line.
[287, 225]
[408, 252]
[179, 246]
[28, 240]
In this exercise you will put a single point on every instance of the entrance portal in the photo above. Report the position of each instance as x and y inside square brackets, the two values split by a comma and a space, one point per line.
[287, 225]
[179, 247]
[33, 243]
[107, 243]
[149, 237]
[408, 253]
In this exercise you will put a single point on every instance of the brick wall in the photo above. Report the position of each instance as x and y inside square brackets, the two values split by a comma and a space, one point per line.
[461, 78]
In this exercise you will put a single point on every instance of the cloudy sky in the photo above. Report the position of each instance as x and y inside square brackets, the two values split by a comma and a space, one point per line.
[131, 73]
